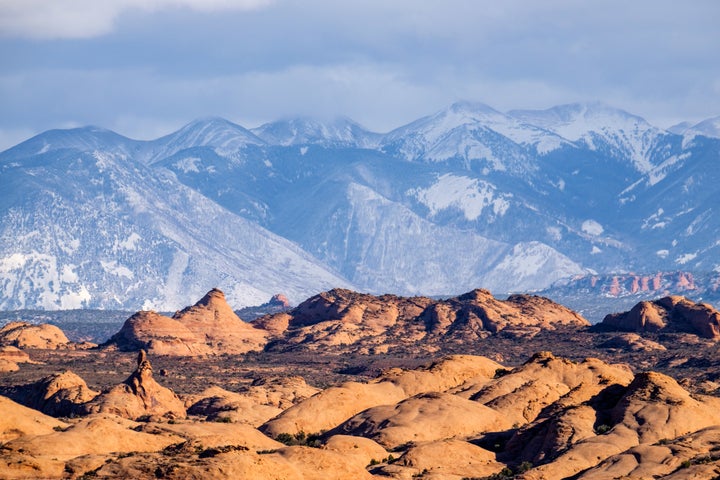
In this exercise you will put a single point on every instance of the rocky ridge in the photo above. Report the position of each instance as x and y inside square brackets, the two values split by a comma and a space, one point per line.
[668, 314]
[374, 324]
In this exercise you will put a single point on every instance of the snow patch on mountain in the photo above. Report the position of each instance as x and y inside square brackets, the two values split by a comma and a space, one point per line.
[592, 123]
[591, 227]
[528, 264]
[469, 195]
[53, 286]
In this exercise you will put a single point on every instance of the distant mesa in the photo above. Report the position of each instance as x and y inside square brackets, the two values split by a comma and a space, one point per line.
[208, 327]
[668, 314]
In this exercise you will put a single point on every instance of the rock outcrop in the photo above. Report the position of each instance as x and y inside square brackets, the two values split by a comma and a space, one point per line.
[59, 395]
[216, 324]
[27, 335]
[668, 314]
[10, 357]
[208, 327]
[138, 396]
[375, 324]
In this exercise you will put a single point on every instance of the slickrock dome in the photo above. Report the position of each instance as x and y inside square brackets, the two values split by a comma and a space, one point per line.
[10, 357]
[668, 314]
[27, 335]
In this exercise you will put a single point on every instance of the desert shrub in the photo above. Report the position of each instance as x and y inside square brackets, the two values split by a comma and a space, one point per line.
[602, 429]
[300, 438]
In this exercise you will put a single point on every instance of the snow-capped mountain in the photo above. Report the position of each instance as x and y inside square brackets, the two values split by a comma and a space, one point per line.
[96, 229]
[707, 128]
[601, 128]
[464, 198]
[341, 132]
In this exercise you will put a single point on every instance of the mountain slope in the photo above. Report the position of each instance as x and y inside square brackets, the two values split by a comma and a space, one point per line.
[113, 233]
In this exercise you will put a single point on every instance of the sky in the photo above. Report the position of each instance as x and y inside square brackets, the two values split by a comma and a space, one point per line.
[144, 68]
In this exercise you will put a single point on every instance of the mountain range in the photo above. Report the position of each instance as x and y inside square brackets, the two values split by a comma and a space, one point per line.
[465, 198]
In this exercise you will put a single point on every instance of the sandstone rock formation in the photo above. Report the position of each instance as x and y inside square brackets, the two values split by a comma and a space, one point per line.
[27, 335]
[632, 342]
[159, 335]
[668, 314]
[334, 405]
[375, 324]
[19, 421]
[264, 399]
[208, 327]
[10, 357]
[60, 394]
[459, 417]
[216, 324]
[138, 396]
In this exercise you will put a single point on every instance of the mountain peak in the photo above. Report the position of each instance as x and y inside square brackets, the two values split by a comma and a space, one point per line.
[340, 131]
[215, 132]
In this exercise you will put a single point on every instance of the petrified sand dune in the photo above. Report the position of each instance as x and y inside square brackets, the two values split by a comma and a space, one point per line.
[19, 421]
[27, 335]
[687, 457]
[459, 417]
[422, 418]
[523, 393]
[263, 400]
[334, 405]
[449, 459]
[215, 323]
[10, 357]
[59, 395]
[634, 342]
[653, 408]
[159, 335]
[671, 314]
[93, 435]
[140, 395]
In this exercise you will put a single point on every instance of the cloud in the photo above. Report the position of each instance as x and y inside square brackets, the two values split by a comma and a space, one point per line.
[55, 19]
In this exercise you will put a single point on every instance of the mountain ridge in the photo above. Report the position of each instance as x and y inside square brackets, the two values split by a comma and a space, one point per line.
[492, 199]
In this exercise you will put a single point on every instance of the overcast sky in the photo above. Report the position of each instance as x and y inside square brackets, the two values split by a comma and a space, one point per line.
[146, 67]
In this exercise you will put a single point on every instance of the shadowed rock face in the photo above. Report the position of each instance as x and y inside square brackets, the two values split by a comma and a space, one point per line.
[668, 314]
[375, 323]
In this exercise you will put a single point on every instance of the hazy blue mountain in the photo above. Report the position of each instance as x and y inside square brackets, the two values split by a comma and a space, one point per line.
[97, 229]
[467, 197]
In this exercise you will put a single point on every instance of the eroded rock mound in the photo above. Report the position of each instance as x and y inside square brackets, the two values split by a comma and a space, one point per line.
[208, 327]
[60, 394]
[159, 335]
[28, 335]
[215, 323]
[668, 314]
[138, 396]
[10, 357]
